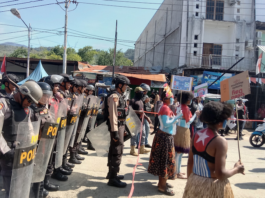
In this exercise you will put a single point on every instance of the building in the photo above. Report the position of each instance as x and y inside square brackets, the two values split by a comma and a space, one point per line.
[208, 34]
[260, 40]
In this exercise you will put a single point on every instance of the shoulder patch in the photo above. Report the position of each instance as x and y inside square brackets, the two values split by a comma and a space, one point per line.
[115, 99]
[1, 106]
[26, 110]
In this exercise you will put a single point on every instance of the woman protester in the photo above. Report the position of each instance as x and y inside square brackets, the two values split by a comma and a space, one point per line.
[162, 157]
[182, 137]
[207, 159]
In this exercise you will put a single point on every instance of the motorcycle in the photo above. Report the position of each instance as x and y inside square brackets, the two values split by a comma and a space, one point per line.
[257, 138]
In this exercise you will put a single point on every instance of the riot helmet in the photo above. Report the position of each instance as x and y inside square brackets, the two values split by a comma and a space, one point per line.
[67, 79]
[145, 87]
[10, 78]
[53, 80]
[83, 84]
[90, 88]
[32, 91]
[47, 93]
[75, 84]
[120, 79]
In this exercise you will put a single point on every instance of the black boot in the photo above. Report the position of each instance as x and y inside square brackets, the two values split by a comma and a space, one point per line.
[48, 186]
[114, 181]
[45, 193]
[81, 151]
[70, 165]
[59, 176]
[120, 177]
[78, 157]
[67, 168]
[64, 171]
[85, 140]
[89, 145]
[66, 165]
[73, 159]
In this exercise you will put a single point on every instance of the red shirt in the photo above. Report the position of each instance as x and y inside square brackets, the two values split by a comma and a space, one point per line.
[186, 112]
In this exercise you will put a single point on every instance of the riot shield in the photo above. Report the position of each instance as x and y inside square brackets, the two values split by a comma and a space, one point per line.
[72, 119]
[3, 144]
[91, 100]
[61, 133]
[133, 123]
[46, 142]
[27, 138]
[94, 113]
[100, 139]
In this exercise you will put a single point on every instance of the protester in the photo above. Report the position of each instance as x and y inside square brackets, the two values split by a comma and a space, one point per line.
[207, 158]
[182, 137]
[162, 158]
[138, 106]
[115, 112]
[241, 110]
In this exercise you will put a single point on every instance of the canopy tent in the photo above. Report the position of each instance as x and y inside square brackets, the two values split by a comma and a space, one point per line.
[36, 75]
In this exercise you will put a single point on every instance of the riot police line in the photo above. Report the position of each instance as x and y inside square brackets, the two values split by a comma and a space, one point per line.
[42, 121]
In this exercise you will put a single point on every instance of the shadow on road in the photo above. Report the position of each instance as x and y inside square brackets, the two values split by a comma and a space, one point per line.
[251, 185]
[261, 158]
[254, 148]
[257, 170]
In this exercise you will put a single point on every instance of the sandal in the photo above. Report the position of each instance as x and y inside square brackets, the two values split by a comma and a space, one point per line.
[167, 192]
[168, 185]
[181, 176]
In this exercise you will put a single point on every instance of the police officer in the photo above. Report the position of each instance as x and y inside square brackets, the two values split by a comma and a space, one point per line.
[89, 91]
[10, 81]
[65, 91]
[115, 110]
[75, 89]
[60, 174]
[41, 112]
[16, 109]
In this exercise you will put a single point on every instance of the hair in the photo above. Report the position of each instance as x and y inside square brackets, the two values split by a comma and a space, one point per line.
[185, 96]
[164, 93]
[215, 112]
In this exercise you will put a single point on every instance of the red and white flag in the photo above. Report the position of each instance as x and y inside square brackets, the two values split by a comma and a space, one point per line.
[3, 67]
[258, 67]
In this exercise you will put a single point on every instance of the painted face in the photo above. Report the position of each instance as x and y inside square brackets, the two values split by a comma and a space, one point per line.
[171, 101]
[224, 124]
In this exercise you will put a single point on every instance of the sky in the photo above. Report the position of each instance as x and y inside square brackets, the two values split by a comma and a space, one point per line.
[96, 20]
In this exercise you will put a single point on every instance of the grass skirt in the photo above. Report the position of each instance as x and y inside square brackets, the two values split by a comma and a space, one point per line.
[162, 157]
[182, 140]
[203, 187]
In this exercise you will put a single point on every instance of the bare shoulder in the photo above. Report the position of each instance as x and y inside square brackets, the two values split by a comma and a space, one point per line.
[220, 142]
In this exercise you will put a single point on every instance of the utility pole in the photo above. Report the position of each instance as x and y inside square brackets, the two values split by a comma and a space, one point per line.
[65, 37]
[114, 53]
[28, 61]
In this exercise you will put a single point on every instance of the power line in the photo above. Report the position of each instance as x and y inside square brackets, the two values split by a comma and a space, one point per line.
[21, 3]
[8, 1]
[32, 7]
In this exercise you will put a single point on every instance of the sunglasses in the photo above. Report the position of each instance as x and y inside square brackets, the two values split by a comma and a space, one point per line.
[29, 99]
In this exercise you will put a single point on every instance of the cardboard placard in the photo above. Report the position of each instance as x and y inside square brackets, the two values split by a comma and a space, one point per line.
[201, 90]
[181, 83]
[235, 87]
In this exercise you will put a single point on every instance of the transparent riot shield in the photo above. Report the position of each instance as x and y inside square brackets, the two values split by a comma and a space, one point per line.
[133, 123]
[72, 118]
[46, 142]
[100, 139]
[91, 101]
[94, 112]
[27, 138]
[61, 133]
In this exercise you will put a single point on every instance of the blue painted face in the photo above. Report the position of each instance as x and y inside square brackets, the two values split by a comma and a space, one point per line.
[224, 124]
[171, 101]
[190, 102]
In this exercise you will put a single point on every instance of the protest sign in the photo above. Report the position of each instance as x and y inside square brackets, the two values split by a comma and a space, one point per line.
[201, 90]
[181, 83]
[235, 87]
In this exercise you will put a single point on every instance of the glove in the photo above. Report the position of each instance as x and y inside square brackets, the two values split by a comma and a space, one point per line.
[116, 136]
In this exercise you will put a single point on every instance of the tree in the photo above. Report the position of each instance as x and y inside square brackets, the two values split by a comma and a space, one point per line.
[87, 53]
[74, 57]
[19, 53]
[129, 54]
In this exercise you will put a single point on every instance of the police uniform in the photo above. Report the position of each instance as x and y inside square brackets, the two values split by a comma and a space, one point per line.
[13, 113]
[117, 111]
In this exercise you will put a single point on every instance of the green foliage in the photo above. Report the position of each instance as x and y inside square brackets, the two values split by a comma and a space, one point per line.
[87, 53]
[129, 54]
[20, 53]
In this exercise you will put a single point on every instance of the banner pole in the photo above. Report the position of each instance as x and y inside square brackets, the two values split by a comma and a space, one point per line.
[238, 133]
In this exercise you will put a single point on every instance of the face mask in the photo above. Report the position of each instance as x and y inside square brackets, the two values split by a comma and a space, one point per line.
[224, 124]
[171, 101]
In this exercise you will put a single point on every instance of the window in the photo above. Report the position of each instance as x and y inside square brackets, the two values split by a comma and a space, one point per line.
[238, 3]
[237, 40]
[217, 51]
[197, 6]
[195, 45]
[238, 10]
[237, 48]
[215, 9]
[238, 18]
[197, 14]
[196, 37]
[194, 53]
